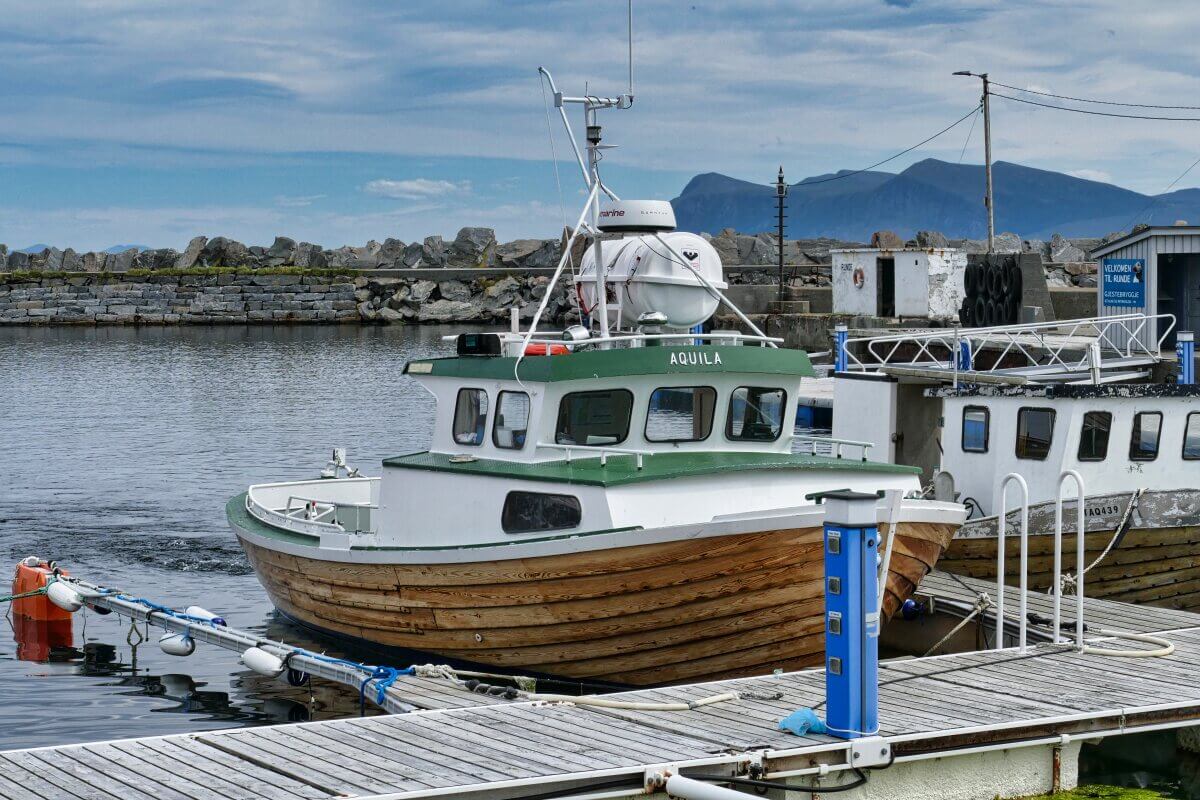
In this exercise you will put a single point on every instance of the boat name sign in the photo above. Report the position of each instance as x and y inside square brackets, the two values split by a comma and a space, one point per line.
[692, 358]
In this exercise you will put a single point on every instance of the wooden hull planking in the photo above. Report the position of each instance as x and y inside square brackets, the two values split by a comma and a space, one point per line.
[699, 609]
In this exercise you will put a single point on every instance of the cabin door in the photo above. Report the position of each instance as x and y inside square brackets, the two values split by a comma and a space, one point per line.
[885, 299]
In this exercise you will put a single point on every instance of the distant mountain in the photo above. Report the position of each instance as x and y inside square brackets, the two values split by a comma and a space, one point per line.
[34, 248]
[929, 195]
[121, 248]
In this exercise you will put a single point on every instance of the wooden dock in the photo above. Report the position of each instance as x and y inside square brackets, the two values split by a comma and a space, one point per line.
[939, 706]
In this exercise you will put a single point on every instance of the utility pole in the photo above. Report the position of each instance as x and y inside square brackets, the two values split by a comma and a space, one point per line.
[987, 156]
[781, 190]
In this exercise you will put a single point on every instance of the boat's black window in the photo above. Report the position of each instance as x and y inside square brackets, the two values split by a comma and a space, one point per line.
[1191, 437]
[975, 423]
[525, 512]
[1093, 439]
[512, 420]
[680, 414]
[594, 418]
[470, 416]
[756, 414]
[1143, 445]
[1035, 428]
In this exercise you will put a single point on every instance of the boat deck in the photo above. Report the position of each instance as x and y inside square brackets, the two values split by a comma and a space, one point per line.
[936, 706]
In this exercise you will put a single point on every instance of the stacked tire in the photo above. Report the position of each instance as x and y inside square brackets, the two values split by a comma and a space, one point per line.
[993, 291]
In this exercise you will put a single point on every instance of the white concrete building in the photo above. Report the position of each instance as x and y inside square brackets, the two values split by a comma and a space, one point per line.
[916, 282]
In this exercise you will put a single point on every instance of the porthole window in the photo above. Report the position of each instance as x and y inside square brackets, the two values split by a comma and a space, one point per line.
[470, 417]
[680, 414]
[755, 414]
[528, 512]
[1035, 431]
[594, 418]
[1191, 437]
[512, 420]
[1093, 437]
[975, 424]
[1143, 444]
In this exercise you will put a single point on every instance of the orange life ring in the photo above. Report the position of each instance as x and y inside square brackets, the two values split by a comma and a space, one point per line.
[860, 278]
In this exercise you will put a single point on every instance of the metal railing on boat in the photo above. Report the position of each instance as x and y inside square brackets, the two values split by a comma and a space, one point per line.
[835, 444]
[309, 514]
[603, 450]
[634, 339]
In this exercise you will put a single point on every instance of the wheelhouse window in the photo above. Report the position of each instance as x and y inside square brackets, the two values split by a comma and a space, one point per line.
[1035, 430]
[1191, 437]
[756, 414]
[680, 414]
[1143, 444]
[470, 416]
[512, 420]
[527, 512]
[1093, 438]
[976, 422]
[594, 418]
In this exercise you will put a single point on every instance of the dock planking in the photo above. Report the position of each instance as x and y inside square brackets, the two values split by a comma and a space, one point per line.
[483, 746]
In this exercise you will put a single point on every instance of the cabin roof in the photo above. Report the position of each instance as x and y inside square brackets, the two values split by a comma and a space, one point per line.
[622, 469]
[621, 362]
[1071, 390]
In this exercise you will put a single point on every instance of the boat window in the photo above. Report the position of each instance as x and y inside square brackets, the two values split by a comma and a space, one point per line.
[526, 512]
[975, 424]
[1035, 428]
[1093, 439]
[594, 418]
[680, 414]
[512, 420]
[470, 416]
[1191, 437]
[756, 414]
[1143, 445]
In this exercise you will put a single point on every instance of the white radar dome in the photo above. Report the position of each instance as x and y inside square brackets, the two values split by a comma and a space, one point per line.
[643, 275]
[636, 216]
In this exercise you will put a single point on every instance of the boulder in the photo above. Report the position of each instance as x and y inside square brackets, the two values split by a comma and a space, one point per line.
[1063, 251]
[932, 239]
[420, 291]
[18, 261]
[191, 254]
[1008, 242]
[282, 251]
[413, 255]
[886, 240]
[433, 252]
[71, 261]
[54, 260]
[309, 256]
[122, 261]
[390, 315]
[726, 246]
[454, 290]
[515, 253]
[391, 253]
[1087, 281]
[1080, 268]
[449, 311]
[341, 257]
[156, 259]
[94, 262]
[473, 247]
[222, 252]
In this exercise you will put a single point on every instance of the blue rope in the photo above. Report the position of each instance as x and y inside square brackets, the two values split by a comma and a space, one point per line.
[216, 622]
[384, 678]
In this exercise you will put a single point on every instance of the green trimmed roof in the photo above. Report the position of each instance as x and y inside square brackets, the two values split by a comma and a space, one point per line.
[622, 469]
[702, 359]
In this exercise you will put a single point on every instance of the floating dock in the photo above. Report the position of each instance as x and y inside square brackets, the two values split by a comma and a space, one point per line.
[1002, 722]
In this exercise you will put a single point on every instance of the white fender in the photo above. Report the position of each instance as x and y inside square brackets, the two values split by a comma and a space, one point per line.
[262, 662]
[177, 644]
[204, 613]
[63, 596]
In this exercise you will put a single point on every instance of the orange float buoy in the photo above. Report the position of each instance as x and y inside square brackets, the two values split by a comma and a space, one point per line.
[538, 349]
[32, 575]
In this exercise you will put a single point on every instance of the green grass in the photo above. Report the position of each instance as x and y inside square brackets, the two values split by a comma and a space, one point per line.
[1098, 792]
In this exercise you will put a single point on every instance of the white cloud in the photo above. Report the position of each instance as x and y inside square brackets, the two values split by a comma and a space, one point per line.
[299, 201]
[417, 188]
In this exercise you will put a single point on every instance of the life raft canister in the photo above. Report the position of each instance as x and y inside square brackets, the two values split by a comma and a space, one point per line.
[31, 576]
[538, 349]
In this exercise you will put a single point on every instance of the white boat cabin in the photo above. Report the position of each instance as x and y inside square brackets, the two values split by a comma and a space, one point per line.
[1117, 436]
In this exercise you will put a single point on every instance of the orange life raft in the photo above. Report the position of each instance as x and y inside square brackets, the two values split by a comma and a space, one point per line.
[30, 578]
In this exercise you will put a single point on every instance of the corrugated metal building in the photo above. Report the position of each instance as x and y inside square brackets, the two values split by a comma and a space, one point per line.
[1153, 271]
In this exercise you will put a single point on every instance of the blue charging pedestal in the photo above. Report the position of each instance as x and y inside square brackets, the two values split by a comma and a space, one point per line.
[1185, 352]
[851, 614]
[840, 359]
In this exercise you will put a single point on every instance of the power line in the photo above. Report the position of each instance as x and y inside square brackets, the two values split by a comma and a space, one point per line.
[906, 151]
[967, 141]
[1154, 201]
[1098, 102]
[1094, 113]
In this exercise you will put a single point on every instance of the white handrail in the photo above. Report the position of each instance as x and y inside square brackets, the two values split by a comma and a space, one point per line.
[1080, 531]
[602, 449]
[1001, 545]
[283, 518]
[837, 450]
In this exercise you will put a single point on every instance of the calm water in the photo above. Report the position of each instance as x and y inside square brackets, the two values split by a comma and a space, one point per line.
[120, 449]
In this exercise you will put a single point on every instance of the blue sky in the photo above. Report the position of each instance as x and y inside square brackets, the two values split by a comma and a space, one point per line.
[140, 121]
